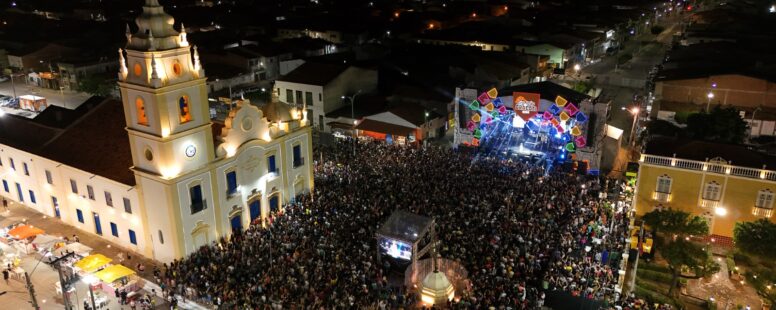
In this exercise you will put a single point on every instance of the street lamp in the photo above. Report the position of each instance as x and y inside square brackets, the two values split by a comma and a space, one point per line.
[577, 68]
[353, 116]
[425, 133]
[710, 95]
[635, 112]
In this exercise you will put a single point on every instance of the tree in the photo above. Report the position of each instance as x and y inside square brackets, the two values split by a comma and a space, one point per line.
[683, 254]
[757, 238]
[675, 222]
[656, 30]
[719, 125]
[95, 85]
[680, 253]
[663, 128]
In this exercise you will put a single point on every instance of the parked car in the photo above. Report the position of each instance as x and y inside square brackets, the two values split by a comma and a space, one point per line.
[3, 79]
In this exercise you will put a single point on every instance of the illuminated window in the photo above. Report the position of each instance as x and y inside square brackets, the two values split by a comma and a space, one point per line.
[177, 69]
[138, 69]
[664, 184]
[712, 191]
[142, 119]
[765, 199]
[184, 108]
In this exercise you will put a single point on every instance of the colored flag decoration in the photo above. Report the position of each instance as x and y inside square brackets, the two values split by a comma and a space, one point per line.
[571, 109]
[560, 101]
[547, 115]
[475, 105]
[570, 147]
[502, 109]
[580, 141]
[581, 117]
[554, 109]
[483, 99]
[471, 125]
[476, 142]
[563, 116]
[478, 133]
[489, 107]
[476, 118]
[493, 93]
[497, 102]
[576, 131]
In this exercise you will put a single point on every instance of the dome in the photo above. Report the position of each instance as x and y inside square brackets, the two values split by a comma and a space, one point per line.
[436, 288]
[276, 111]
[154, 22]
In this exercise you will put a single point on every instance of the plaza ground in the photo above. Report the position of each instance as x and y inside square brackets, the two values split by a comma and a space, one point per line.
[44, 277]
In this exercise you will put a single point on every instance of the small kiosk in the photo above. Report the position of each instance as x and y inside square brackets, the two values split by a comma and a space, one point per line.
[91, 264]
[118, 277]
[405, 237]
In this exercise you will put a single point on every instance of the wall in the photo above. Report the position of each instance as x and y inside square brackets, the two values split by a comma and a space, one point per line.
[738, 195]
[69, 201]
[316, 106]
[737, 90]
[555, 53]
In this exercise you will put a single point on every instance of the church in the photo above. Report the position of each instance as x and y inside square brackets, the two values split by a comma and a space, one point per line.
[153, 173]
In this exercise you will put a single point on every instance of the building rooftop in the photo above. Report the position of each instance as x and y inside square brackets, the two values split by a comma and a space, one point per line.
[91, 138]
[737, 155]
[312, 73]
[405, 226]
[547, 90]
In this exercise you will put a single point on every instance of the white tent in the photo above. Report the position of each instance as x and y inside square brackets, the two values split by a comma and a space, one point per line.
[76, 247]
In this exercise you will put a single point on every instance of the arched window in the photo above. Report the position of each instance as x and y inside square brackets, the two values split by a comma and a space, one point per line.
[184, 109]
[142, 119]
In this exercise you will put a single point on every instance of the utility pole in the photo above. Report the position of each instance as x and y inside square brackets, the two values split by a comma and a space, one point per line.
[66, 297]
[31, 289]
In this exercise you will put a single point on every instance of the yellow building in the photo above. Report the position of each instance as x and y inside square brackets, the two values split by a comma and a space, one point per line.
[723, 183]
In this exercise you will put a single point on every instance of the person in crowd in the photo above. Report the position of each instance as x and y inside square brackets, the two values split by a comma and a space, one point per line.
[519, 231]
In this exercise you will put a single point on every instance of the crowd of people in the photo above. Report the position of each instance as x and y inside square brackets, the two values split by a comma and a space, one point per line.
[518, 230]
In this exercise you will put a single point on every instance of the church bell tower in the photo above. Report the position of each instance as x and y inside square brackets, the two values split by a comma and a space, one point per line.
[164, 93]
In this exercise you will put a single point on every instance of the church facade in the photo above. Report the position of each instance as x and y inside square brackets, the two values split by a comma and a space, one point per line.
[193, 181]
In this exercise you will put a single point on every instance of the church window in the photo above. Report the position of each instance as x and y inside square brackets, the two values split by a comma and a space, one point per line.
[177, 69]
[184, 108]
[142, 119]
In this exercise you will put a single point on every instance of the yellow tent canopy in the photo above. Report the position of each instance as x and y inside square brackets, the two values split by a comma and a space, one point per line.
[92, 262]
[113, 272]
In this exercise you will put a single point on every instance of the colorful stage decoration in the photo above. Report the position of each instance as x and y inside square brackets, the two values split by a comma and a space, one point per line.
[560, 101]
[580, 141]
[526, 105]
[483, 99]
[571, 109]
[581, 117]
[557, 125]
[493, 93]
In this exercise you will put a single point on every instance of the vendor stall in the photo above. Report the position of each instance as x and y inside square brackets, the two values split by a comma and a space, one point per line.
[118, 277]
[91, 263]
[75, 247]
[25, 231]
[23, 236]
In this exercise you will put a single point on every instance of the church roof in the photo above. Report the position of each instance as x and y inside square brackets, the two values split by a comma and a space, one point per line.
[277, 111]
[95, 140]
[155, 29]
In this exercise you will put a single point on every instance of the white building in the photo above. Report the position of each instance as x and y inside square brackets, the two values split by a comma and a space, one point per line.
[179, 181]
[319, 88]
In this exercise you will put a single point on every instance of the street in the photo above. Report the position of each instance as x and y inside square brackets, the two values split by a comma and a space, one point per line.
[66, 99]
[44, 277]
